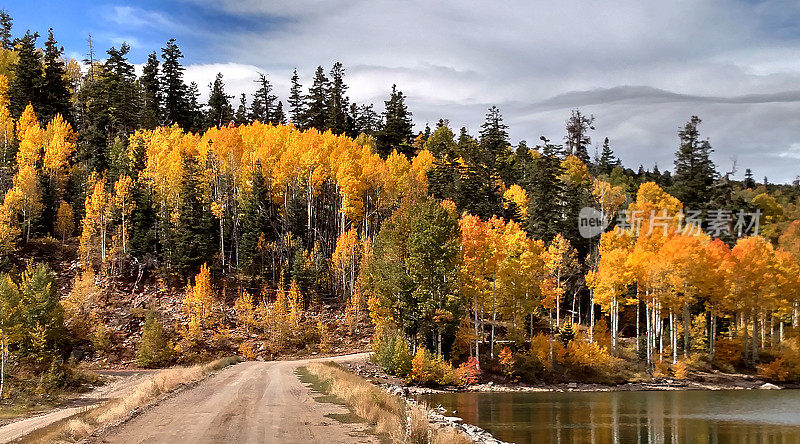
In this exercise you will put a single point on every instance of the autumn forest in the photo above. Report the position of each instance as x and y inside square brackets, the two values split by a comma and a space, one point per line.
[139, 224]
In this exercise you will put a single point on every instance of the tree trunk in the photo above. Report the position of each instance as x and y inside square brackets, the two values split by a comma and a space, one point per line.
[638, 309]
[755, 338]
[686, 327]
[591, 316]
[673, 337]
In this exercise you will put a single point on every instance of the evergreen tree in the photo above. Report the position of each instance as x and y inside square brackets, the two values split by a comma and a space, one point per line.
[28, 81]
[194, 113]
[259, 225]
[241, 115]
[694, 171]
[150, 84]
[118, 84]
[578, 139]
[495, 148]
[749, 182]
[338, 120]
[296, 102]
[396, 131]
[522, 161]
[468, 147]
[279, 117]
[6, 23]
[365, 120]
[316, 107]
[545, 194]
[220, 111]
[607, 160]
[263, 102]
[194, 236]
[174, 89]
[55, 90]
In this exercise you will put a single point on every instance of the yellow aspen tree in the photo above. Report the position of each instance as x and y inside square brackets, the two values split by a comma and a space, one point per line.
[198, 302]
[519, 197]
[245, 313]
[26, 183]
[30, 137]
[562, 262]
[59, 145]
[296, 304]
[345, 259]
[95, 225]
[8, 231]
[7, 134]
[65, 222]
[123, 201]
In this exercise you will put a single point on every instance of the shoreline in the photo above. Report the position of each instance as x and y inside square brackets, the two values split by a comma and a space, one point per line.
[665, 385]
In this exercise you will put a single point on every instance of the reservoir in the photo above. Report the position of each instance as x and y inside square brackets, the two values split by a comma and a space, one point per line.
[725, 416]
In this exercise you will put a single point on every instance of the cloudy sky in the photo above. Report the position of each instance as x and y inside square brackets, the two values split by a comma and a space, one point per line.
[641, 67]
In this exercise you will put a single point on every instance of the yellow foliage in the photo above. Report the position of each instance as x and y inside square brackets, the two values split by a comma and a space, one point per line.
[245, 313]
[64, 220]
[197, 304]
[427, 369]
[519, 197]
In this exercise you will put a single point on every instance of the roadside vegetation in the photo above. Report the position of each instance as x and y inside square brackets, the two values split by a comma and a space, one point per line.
[112, 412]
[391, 417]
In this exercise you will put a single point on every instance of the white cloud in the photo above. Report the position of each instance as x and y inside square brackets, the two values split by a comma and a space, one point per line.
[134, 17]
[648, 65]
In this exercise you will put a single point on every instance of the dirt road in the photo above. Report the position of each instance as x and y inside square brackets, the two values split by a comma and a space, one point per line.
[249, 402]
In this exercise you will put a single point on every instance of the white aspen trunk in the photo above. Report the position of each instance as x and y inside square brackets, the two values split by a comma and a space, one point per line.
[712, 334]
[673, 337]
[638, 309]
[686, 326]
[550, 322]
[477, 336]
[660, 334]
[755, 337]
[780, 330]
[771, 330]
[124, 233]
[494, 321]
[222, 240]
[558, 301]
[647, 332]
[591, 316]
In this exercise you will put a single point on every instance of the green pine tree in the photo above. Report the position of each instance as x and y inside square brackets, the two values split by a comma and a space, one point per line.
[28, 82]
[545, 193]
[150, 85]
[55, 90]
[695, 172]
[220, 111]
[396, 131]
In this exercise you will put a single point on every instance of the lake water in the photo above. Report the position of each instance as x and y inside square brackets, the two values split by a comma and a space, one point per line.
[728, 416]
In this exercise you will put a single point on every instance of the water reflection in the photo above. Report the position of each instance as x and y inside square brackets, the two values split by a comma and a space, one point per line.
[735, 416]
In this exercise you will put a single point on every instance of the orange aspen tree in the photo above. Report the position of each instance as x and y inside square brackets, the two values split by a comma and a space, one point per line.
[752, 284]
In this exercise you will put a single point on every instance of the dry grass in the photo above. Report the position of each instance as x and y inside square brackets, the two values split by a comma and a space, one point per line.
[76, 428]
[389, 415]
